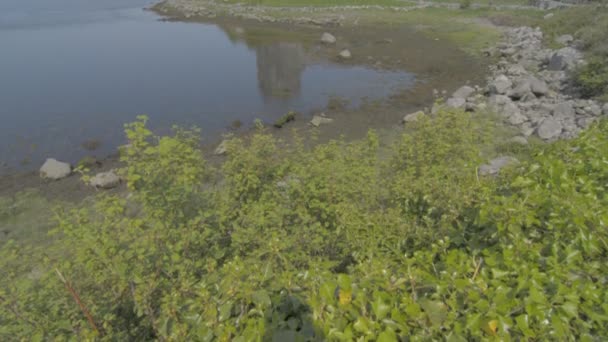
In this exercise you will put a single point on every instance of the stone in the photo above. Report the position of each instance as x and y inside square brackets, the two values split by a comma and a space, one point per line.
[513, 114]
[565, 39]
[564, 59]
[605, 109]
[221, 149]
[538, 87]
[501, 85]
[463, 92]
[496, 164]
[548, 16]
[549, 129]
[520, 90]
[328, 38]
[595, 109]
[519, 140]
[345, 54]
[516, 70]
[456, 103]
[564, 110]
[584, 122]
[319, 120]
[105, 180]
[413, 117]
[54, 169]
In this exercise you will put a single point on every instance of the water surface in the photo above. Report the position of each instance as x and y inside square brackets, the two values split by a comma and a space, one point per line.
[74, 70]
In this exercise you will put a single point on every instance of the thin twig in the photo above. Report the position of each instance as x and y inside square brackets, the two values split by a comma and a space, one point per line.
[477, 268]
[78, 301]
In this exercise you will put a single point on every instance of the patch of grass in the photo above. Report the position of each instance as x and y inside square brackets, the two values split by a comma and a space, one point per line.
[322, 3]
[25, 217]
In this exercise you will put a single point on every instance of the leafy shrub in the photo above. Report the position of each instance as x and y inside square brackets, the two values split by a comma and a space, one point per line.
[592, 79]
[344, 241]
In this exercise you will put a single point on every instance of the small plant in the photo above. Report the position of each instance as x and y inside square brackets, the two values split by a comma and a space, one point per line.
[465, 4]
[283, 120]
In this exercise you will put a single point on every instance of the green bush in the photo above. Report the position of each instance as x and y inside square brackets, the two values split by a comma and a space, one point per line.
[592, 78]
[344, 241]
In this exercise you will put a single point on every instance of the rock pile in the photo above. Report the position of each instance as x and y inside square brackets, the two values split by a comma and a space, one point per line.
[530, 87]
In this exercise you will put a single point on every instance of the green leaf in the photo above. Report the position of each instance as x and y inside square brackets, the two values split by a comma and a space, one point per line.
[225, 311]
[261, 298]
[436, 311]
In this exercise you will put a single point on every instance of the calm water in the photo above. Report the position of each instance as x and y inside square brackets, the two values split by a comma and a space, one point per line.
[77, 70]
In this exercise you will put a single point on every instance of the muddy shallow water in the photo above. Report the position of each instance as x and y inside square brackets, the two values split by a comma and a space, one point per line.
[73, 73]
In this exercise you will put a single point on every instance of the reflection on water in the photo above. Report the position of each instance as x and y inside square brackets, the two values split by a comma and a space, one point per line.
[280, 68]
[80, 74]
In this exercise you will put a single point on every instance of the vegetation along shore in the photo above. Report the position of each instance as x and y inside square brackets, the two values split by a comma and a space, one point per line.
[481, 216]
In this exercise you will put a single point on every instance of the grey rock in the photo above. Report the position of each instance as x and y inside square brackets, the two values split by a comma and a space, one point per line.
[456, 103]
[584, 122]
[605, 109]
[538, 87]
[105, 180]
[513, 114]
[328, 38]
[319, 120]
[548, 16]
[345, 54]
[463, 92]
[413, 117]
[549, 129]
[496, 164]
[595, 109]
[519, 140]
[501, 85]
[520, 90]
[565, 59]
[516, 70]
[527, 129]
[564, 110]
[222, 148]
[564, 39]
[54, 169]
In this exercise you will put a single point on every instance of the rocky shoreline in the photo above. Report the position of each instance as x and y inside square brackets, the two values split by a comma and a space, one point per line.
[531, 87]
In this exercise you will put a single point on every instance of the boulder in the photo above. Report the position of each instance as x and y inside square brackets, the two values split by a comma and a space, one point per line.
[319, 120]
[501, 85]
[564, 59]
[565, 39]
[105, 180]
[548, 16]
[456, 103]
[549, 129]
[564, 110]
[328, 38]
[413, 117]
[345, 54]
[519, 140]
[54, 169]
[513, 114]
[463, 92]
[605, 109]
[538, 87]
[595, 109]
[496, 164]
[520, 90]
[221, 149]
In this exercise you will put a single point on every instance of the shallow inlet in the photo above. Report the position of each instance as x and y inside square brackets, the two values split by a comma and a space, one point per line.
[73, 73]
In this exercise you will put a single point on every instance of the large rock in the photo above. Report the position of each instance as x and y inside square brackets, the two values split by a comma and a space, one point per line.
[495, 165]
[54, 169]
[328, 38]
[345, 54]
[605, 109]
[564, 110]
[501, 85]
[564, 39]
[521, 89]
[456, 103]
[319, 120]
[513, 114]
[222, 148]
[538, 87]
[565, 59]
[549, 129]
[463, 92]
[105, 180]
[413, 117]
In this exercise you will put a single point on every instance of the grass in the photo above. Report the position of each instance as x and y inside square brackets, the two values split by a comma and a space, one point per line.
[25, 217]
[323, 3]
